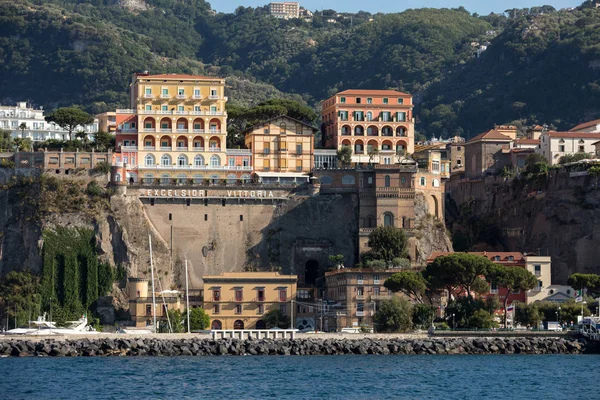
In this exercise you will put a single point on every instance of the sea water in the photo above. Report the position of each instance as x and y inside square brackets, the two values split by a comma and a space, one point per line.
[303, 377]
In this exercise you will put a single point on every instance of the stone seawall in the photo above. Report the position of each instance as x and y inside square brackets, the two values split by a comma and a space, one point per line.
[206, 347]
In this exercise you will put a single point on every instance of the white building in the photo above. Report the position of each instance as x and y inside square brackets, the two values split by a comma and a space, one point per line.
[285, 9]
[37, 129]
[589, 127]
[554, 145]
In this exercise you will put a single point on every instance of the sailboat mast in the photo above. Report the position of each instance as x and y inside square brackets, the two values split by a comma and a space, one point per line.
[187, 297]
[152, 272]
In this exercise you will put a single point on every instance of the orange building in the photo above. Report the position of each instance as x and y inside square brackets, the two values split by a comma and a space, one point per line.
[377, 124]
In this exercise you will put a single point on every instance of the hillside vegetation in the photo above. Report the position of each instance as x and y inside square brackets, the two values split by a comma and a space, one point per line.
[63, 52]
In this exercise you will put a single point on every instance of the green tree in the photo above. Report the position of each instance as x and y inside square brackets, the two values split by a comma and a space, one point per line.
[176, 320]
[336, 261]
[393, 315]
[411, 283]
[344, 155]
[199, 319]
[570, 158]
[528, 314]
[512, 279]
[22, 127]
[20, 296]
[387, 243]
[591, 282]
[6, 140]
[276, 319]
[23, 144]
[457, 271]
[423, 315]
[481, 319]
[104, 141]
[69, 118]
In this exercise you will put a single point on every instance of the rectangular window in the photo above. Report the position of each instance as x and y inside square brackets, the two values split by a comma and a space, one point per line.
[435, 166]
[282, 294]
[148, 107]
[303, 294]
[369, 100]
[493, 288]
[400, 101]
[360, 291]
[342, 100]
[343, 115]
[180, 92]
[260, 295]
[581, 149]
[165, 92]
[148, 91]
[216, 294]
[360, 307]
[238, 308]
[216, 308]
[148, 310]
[261, 309]
[359, 279]
[385, 116]
[540, 285]
[213, 93]
[299, 149]
[358, 100]
[196, 93]
[283, 308]
[164, 108]
[376, 290]
[376, 279]
[401, 116]
[537, 270]
[298, 165]
[561, 148]
[239, 295]
[197, 108]
[385, 100]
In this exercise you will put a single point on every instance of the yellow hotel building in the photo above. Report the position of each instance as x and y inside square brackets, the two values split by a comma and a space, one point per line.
[282, 149]
[239, 300]
[182, 127]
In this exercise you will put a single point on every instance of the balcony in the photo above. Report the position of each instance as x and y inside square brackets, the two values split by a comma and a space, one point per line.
[214, 97]
[181, 96]
[197, 97]
[166, 130]
[281, 151]
[214, 131]
[182, 130]
[181, 148]
[360, 282]
[214, 148]
[129, 148]
[164, 96]
[360, 296]
[166, 148]
[360, 313]
[149, 148]
[198, 167]
[198, 130]
[148, 96]
[149, 129]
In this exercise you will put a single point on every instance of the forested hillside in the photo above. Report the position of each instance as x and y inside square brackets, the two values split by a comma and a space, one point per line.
[62, 52]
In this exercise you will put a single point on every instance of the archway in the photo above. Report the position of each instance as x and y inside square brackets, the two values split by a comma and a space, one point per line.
[388, 219]
[311, 272]
[216, 325]
[260, 324]
[238, 324]
[435, 206]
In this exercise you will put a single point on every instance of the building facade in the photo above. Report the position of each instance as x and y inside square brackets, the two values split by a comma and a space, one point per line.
[353, 295]
[240, 300]
[36, 127]
[140, 303]
[588, 127]
[377, 125]
[555, 145]
[284, 9]
[182, 128]
[484, 154]
[433, 158]
[282, 149]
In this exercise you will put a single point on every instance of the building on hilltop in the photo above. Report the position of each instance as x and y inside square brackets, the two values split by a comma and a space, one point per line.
[484, 152]
[433, 158]
[36, 127]
[282, 149]
[555, 145]
[589, 127]
[285, 9]
[240, 300]
[378, 125]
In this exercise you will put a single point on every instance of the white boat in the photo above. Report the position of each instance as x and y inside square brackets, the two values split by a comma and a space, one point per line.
[43, 327]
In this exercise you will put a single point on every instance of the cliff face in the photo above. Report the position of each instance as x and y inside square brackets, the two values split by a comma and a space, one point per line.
[561, 220]
[430, 232]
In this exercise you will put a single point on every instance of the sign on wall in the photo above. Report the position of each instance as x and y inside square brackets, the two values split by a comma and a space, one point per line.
[200, 193]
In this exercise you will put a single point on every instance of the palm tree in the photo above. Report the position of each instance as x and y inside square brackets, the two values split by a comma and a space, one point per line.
[22, 127]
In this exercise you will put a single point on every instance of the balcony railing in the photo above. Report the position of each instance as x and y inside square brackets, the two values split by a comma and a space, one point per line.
[149, 129]
[166, 148]
[149, 148]
[181, 96]
[164, 96]
[214, 97]
[198, 130]
[129, 148]
[148, 96]
[360, 313]
[197, 97]
[182, 130]
[200, 167]
[166, 130]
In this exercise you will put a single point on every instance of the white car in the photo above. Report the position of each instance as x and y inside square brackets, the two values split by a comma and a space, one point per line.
[350, 330]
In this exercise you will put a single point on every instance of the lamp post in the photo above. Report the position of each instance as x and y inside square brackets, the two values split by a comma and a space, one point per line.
[453, 322]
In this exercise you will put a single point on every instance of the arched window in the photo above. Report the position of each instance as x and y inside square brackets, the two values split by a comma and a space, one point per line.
[118, 178]
[198, 179]
[165, 179]
[348, 180]
[369, 116]
[215, 161]
[403, 180]
[198, 161]
[149, 160]
[282, 128]
[214, 179]
[359, 130]
[423, 181]
[231, 179]
[148, 179]
[165, 160]
[245, 178]
[181, 179]
[326, 180]
[182, 161]
[387, 181]
[388, 219]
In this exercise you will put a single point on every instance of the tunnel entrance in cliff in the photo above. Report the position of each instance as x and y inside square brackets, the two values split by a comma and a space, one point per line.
[311, 272]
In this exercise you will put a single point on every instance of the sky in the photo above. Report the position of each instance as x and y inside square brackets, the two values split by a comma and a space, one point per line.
[482, 7]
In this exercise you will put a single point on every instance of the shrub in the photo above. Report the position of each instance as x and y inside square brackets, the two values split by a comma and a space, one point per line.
[102, 167]
[93, 189]
[394, 315]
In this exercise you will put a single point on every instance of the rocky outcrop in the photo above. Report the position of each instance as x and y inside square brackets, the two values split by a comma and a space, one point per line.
[559, 217]
[430, 232]
[206, 347]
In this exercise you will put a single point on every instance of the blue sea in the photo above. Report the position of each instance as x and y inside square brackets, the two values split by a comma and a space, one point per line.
[303, 377]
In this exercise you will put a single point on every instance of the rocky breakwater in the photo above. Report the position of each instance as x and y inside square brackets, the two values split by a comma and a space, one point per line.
[206, 347]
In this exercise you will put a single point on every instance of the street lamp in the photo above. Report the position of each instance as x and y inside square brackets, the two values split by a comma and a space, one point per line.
[558, 315]
[453, 322]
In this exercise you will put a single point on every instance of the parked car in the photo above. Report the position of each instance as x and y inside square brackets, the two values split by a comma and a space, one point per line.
[350, 330]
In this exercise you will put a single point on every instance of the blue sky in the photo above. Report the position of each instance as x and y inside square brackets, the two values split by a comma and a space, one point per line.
[387, 6]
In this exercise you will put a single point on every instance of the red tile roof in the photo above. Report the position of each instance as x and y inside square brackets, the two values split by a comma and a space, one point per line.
[361, 92]
[574, 135]
[517, 257]
[177, 76]
[586, 125]
[537, 128]
[528, 141]
[490, 135]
